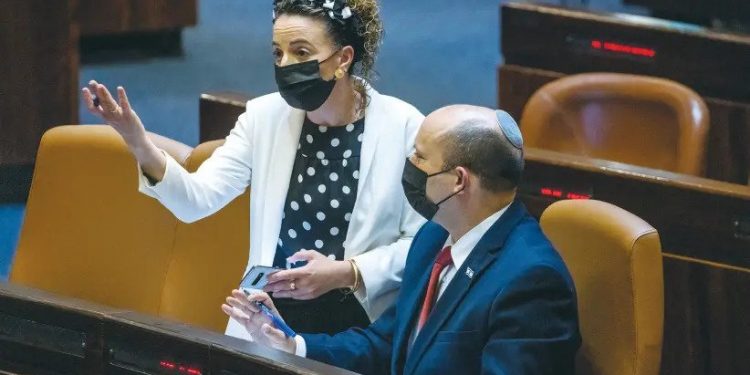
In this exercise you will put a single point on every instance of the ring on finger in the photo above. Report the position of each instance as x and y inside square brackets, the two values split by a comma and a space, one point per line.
[292, 286]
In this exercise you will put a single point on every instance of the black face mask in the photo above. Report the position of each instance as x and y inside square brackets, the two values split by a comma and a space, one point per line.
[302, 86]
[414, 181]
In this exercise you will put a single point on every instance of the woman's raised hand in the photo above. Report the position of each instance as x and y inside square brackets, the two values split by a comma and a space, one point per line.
[117, 114]
[120, 116]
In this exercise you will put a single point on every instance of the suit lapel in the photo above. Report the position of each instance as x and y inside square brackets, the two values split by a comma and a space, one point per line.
[483, 254]
[414, 295]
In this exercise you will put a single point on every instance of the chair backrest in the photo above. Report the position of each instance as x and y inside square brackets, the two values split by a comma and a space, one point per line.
[615, 260]
[632, 119]
[209, 258]
[88, 233]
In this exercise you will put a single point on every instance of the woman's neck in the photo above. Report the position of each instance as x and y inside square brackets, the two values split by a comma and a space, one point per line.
[341, 108]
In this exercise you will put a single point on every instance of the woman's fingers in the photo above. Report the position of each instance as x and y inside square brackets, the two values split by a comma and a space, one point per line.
[123, 98]
[88, 100]
[304, 256]
[279, 286]
[106, 101]
[287, 275]
[92, 86]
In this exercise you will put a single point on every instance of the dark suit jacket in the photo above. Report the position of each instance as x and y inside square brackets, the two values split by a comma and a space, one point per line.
[510, 309]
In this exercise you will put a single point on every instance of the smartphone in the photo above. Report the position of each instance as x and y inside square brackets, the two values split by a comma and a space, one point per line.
[257, 277]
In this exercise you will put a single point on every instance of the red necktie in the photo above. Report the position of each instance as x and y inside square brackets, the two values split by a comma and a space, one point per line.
[443, 259]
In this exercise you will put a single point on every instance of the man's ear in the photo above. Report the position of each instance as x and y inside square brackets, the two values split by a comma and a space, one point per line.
[462, 179]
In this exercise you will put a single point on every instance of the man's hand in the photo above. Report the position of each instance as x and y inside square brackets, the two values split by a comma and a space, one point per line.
[243, 309]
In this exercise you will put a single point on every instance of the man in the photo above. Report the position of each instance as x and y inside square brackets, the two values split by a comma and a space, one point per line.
[486, 294]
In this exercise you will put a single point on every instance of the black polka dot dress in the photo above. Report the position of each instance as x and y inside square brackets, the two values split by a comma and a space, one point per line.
[317, 212]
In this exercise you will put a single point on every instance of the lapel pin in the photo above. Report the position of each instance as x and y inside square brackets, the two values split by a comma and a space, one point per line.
[470, 272]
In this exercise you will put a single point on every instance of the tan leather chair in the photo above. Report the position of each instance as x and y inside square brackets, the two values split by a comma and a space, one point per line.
[88, 232]
[615, 260]
[645, 121]
[209, 258]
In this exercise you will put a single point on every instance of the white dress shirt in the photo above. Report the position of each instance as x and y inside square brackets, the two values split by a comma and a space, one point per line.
[460, 250]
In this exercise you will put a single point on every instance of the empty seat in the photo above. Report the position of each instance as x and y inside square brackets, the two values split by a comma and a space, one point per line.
[88, 233]
[615, 260]
[645, 121]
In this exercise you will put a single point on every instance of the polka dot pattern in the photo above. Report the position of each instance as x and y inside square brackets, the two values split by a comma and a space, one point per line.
[322, 191]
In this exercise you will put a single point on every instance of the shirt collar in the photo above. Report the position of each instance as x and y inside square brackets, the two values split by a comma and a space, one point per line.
[463, 247]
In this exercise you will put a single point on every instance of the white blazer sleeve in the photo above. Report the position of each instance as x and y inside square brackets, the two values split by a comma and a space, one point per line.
[221, 178]
[382, 267]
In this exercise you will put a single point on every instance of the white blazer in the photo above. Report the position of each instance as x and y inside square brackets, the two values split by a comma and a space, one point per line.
[260, 151]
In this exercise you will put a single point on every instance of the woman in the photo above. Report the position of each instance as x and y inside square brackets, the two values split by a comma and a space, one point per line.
[324, 158]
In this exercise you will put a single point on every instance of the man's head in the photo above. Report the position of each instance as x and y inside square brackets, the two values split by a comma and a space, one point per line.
[468, 160]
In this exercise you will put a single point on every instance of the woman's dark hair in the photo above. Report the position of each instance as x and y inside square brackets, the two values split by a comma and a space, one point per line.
[363, 31]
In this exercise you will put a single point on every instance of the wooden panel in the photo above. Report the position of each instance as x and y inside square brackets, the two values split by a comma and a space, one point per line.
[38, 83]
[695, 216]
[120, 16]
[707, 330]
[729, 12]
[728, 148]
[707, 255]
[561, 40]
[42, 319]
[219, 112]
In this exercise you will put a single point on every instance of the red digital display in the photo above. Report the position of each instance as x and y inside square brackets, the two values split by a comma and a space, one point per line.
[622, 48]
[559, 194]
[180, 369]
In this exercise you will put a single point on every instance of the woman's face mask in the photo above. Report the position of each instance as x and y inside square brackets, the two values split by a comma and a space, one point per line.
[414, 182]
[302, 86]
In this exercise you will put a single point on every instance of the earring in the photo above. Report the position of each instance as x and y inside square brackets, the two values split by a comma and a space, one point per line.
[339, 73]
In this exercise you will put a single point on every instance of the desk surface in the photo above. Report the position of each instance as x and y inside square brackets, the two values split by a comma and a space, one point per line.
[87, 338]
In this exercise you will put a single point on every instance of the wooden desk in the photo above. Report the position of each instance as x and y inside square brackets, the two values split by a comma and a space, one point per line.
[542, 43]
[704, 226]
[41, 333]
